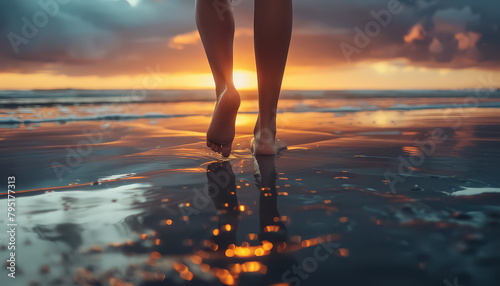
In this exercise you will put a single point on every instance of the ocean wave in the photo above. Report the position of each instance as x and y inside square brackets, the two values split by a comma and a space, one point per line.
[73, 96]
[66, 117]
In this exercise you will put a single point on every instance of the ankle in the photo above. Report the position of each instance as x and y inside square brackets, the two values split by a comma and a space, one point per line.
[265, 135]
[266, 123]
[220, 88]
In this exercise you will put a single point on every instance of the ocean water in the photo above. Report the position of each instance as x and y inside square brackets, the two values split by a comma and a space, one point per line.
[31, 107]
[376, 188]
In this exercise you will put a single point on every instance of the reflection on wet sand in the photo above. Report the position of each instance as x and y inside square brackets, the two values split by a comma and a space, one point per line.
[128, 210]
[250, 259]
[263, 253]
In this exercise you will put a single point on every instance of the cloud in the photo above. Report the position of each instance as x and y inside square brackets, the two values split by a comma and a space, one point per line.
[417, 32]
[178, 42]
[113, 37]
[467, 40]
[92, 36]
[449, 41]
[436, 47]
[453, 20]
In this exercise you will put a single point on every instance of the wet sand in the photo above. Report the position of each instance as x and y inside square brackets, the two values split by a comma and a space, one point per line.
[390, 195]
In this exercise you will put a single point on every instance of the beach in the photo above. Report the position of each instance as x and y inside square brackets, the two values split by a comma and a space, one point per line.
[375, 188]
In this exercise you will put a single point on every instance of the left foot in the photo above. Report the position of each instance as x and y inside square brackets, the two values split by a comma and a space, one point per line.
[221, 132]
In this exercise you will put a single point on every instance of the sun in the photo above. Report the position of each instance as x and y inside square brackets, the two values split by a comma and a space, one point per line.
[244, 79]
[133, 3]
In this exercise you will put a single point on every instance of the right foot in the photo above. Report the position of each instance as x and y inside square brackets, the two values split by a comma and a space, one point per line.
[264, 141]
[220, 134]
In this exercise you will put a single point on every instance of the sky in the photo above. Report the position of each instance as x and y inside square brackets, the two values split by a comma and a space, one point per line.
[350, 44]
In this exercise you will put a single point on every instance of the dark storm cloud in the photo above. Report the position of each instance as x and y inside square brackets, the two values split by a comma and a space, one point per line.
[110, 37]
[88, 36]
[454, 34]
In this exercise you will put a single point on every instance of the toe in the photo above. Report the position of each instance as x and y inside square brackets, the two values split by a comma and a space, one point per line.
[226, 150]
[213, 147]
[209, 143]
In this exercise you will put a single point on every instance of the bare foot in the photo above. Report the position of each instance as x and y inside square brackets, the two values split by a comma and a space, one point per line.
[265, 142]
[266, 149]
[221, 132]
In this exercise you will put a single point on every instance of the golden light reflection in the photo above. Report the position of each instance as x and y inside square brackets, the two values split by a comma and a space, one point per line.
[253, 266]
[187, 276]
[412, 150]
[196, 259]
[167, 222]
[259, 252]
[267, 245]
[252, 236]
[242, 251]
[382, 119]
[205, 267]
[245, 119]
[155, 255]
[229, 253]
[230, 274]
[236, 269]
[225, 277]
[272, 228]
[179, 267]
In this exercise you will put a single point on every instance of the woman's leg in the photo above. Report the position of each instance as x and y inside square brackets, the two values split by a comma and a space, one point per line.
[273, 29]
[216, 26]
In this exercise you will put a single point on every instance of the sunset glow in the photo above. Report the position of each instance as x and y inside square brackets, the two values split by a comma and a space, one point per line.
[245, 79]
[160, 39]
[370, 76]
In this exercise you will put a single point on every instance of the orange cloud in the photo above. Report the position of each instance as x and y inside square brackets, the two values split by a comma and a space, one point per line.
[467, 40]
[178, 42]
[417, 32]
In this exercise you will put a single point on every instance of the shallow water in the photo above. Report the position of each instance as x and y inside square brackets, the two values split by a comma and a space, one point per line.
[375, 192]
